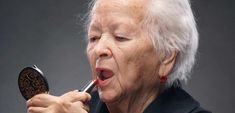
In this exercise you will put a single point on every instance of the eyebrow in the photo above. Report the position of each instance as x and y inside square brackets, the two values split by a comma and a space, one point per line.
[95, 27]
[115, 26]
[112, 26]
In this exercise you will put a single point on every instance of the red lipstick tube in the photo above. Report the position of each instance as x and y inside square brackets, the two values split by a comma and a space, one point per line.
[89, 87]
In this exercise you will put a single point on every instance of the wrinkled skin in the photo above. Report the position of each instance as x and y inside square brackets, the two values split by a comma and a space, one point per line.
[71, 102]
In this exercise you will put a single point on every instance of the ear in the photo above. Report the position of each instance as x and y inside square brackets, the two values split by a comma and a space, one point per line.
[167, 64]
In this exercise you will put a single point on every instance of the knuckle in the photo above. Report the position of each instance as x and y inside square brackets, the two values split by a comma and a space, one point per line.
[79, 103]
[52, 109]
[68, 94]
[67, 104]
[38, 96]
[88, 96]
[83, 95]
[59, 102]
[78, 95]
[63, 103]
[30, 102]
[30, 110]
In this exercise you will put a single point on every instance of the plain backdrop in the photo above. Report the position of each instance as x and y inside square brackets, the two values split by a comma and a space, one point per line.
[50, 34]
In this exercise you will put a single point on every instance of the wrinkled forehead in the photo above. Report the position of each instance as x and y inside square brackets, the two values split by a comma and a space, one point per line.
[134, 8]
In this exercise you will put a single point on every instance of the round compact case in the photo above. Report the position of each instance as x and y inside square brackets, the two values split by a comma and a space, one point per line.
[32, 82]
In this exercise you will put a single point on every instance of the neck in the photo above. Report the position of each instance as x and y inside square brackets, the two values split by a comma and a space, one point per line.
[135, 103]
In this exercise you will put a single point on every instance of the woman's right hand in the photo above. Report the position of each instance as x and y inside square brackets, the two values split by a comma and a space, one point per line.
[71, 102]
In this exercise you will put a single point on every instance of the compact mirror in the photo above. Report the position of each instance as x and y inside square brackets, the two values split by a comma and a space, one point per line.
[32, 82]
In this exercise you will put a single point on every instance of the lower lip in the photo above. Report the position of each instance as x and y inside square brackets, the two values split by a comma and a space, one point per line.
[103, 83]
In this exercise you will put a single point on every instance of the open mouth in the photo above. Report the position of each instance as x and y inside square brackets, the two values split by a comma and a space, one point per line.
[104, 73]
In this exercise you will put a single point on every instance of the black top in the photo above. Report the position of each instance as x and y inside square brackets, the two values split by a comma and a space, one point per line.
[172, 100]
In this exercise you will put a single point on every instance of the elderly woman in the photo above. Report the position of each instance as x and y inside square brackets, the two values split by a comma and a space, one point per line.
[139, 51]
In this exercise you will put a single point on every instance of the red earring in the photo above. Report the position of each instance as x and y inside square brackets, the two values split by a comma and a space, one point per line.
[163, 79]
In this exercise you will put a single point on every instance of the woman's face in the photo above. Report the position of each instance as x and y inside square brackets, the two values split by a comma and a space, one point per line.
[120, 53]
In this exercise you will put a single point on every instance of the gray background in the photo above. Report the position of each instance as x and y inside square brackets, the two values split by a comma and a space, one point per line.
[50, 34]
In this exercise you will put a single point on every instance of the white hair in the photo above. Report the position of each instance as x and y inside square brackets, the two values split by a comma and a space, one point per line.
[171, 27]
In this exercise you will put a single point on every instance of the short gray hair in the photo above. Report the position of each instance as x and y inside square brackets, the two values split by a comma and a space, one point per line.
[172, 27]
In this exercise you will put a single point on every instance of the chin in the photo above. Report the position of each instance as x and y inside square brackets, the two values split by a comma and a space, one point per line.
[108, 96]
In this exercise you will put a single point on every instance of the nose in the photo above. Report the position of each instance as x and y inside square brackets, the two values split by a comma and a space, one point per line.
[103, 49]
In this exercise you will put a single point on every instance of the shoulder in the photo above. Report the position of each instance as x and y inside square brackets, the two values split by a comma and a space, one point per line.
[200, 110]
[175, 100]
[172, 100]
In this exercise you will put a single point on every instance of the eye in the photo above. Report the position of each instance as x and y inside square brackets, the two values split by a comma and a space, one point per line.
[121, 38]
[94, 38]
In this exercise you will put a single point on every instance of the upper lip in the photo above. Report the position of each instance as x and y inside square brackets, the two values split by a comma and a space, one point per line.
[104, 73]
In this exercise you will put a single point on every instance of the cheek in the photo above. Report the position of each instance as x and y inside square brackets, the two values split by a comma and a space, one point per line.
[90, 58]
[129, 70]
[92, 61]
[124, 69]
[139, 65]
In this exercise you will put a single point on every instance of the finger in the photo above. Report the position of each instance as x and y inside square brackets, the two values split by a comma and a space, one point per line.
[74, 96]
[83, 107]
[36, 110]
[86, 107]
[41, 100]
